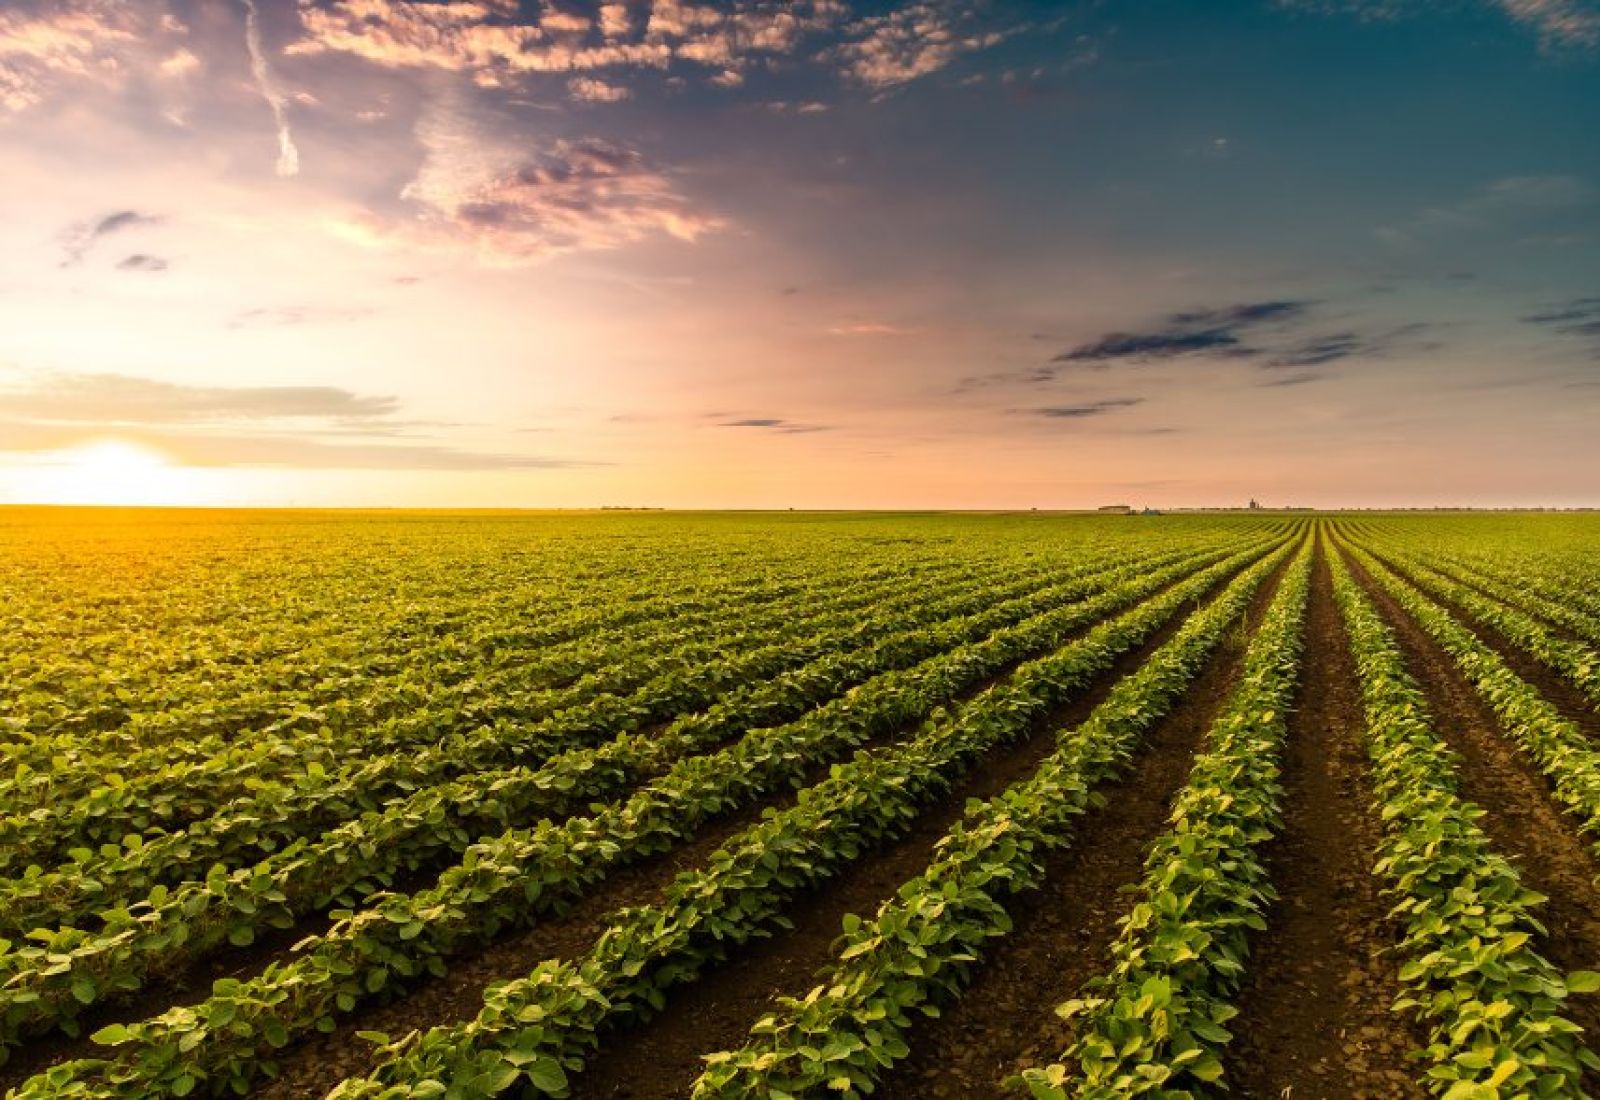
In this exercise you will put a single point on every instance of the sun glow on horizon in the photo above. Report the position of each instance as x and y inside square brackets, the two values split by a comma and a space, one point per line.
[109, 472]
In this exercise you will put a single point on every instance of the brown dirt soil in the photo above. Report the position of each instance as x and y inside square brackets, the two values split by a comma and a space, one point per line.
[1314, 1017]
[1005, 1020]
[1519, 816]
[661, 1057]
[313, 1066]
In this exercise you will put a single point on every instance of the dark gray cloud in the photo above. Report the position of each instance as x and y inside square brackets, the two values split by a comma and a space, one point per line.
[81, 238]
[1085, 410]
[774, 424]
[1243, 316]
[141, 261]
[122, 219]
[1222, 332]
[1327, 349]
[1578, 317]
[1295, 379]
[1270, 334]
[1319, 351]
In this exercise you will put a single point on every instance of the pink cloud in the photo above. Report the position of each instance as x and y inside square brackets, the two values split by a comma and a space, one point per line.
[78, 40]
[912, 42]
[1562, 23]
[593, 90]
[509, 209]
[488, 38]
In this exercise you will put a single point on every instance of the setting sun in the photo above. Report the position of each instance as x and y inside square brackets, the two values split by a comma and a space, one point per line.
[110, 471]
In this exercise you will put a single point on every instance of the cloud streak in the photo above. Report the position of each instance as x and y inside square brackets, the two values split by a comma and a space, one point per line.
[773, 424]
[285, 316]
[288, 155]
[1219, 332]
[1084, 411]
[127, 399]
[265, 425]
[1579, 317]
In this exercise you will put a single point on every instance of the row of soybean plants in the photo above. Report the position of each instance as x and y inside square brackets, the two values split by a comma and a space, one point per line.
[171, 795]
[1576, 661]
[540, 1028]
[517, 878]
[253, 639]
[277, 818]
[917, 950]
[1561, 578]
[1490, 1004]
[1554, 744]
[1155, 1023]
[855, 646]
[454, 670]
[1529, 588]
[169, 929]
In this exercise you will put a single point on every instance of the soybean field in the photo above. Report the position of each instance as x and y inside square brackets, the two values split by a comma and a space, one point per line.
[451, 806]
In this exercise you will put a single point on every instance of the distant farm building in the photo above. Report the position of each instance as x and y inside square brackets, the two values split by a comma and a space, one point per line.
[1117, 509]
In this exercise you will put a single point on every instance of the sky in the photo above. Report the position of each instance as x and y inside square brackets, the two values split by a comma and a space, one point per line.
[800, 253]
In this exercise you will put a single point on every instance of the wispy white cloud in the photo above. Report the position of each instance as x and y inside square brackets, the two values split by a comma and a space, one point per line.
[127, 399]
[289, 426]
[288, 155]
[1518, 207]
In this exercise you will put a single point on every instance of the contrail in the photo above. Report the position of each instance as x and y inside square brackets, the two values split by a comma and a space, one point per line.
[288, 155]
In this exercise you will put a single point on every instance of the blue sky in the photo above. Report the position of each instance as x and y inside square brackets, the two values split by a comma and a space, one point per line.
[800, 254]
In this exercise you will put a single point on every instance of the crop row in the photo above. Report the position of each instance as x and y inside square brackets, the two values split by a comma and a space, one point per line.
[537, 1028]
[916, 950]
[1523, 592]
[182, 792]
[1155, 1023]
[255, 658]
[172, 746]
[1490, 1002]
[509, 882]
[1577, 662]
[1555, 745]
[1541, 580]
[172, 928]
[490, 801]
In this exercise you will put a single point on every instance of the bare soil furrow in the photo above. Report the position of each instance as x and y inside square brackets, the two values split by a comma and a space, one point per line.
[1314, 1017]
